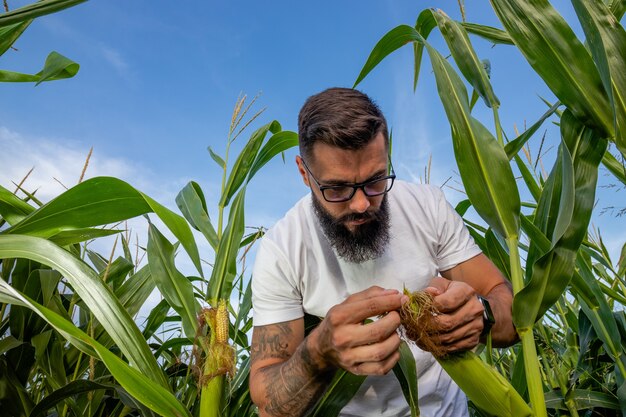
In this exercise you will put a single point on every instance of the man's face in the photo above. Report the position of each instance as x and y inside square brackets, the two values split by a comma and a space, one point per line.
[358, 228]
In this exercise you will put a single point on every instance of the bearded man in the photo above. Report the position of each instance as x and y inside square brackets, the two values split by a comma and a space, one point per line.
[345, 252]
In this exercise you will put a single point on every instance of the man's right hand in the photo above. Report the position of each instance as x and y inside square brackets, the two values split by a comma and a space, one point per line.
[342, 340]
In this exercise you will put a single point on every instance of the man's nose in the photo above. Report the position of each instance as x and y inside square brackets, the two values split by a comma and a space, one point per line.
[359, 202]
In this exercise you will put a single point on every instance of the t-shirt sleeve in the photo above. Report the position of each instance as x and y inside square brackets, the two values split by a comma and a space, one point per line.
[275, 295]
[456, 245]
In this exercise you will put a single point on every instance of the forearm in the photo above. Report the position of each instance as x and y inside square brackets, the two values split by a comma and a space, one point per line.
[503, 332]
[292, 387]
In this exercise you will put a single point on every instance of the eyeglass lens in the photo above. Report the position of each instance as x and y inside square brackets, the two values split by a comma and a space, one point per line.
[371, 189]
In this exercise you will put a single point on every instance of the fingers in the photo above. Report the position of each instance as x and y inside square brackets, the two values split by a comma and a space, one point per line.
[361, 306]
[459, 322]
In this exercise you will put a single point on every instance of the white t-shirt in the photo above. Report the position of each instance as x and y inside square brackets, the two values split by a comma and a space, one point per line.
[296, 271]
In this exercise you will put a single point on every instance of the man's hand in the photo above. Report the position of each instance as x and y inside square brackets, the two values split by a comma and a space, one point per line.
[460, 319]
[342, 340]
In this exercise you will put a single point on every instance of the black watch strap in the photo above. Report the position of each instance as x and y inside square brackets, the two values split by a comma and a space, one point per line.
[488, 318]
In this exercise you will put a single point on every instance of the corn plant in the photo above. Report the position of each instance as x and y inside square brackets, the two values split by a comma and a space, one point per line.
[55, 290]
[14, 23]
[589, 82]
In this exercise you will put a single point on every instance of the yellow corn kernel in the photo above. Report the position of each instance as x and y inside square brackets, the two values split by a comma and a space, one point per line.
[221, 323]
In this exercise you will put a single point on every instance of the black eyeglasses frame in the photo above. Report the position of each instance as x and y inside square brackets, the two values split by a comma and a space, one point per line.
[355, 186]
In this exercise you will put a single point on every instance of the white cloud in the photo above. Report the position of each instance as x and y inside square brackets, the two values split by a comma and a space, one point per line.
[115, 58]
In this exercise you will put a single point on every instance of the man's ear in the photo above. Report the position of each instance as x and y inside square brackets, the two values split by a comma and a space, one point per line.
[302, 171]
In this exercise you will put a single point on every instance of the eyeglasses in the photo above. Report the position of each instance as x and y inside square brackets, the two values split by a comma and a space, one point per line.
[344, 192]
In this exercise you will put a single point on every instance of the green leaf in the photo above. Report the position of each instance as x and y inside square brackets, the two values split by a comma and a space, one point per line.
[69, 237]
[483, 164]
[12, 208]
[94, 293]
[607, 43]
[173, 285]
[498, 255]
[406, 373]
[98, 201]
[31, 11]
[225, 268]
[243, 164]
[552, 271]
[7, 343]
[514, 146]
[339, 392]
[192, 204]
[394, 39]
[217, 158]
[141, 386]
[614, 166]
[67, 392]
[277, 143]
[497, 36]
[9, 34]
[424, 25]
[552, 49]
[618, 7]
[56, 67]
[584, 399]
[466, 59]
[528, 178]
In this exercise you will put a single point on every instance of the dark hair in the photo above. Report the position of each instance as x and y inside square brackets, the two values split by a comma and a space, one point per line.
[341, 117]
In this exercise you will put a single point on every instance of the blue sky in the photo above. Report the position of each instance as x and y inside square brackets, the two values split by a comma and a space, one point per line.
[159, 80]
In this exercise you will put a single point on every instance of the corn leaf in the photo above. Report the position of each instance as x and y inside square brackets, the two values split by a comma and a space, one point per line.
[218, 159]
[98, 201]
[552, 271]
[552, 49]
[514, 146]
[225, 268]
[340, 391]
[94, 293]
[31, 11]
[191, 202]
[607, 42]
[424, 25]
[173, 285]
[12, 208]
[528, 177]
[483, 164]
[618, 7]
[9, 34]
[614, 166]
[394, 39]
[244, 162]
[277, 143]
[406, 372]
[140, 386]
[56, 67]
[466, 59]
[498, 254]
[69, 237]
[497, 36]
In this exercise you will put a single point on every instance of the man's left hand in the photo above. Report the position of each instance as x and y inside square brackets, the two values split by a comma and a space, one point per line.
[460, 315]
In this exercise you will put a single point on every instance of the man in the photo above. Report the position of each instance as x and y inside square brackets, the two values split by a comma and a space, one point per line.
[345, 252]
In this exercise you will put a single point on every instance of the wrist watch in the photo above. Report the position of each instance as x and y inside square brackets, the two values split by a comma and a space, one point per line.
[488, 318]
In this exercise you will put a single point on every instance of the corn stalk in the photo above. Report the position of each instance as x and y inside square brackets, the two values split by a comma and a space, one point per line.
[590, 84]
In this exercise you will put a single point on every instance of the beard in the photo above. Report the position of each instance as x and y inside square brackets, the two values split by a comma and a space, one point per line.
[368, 240]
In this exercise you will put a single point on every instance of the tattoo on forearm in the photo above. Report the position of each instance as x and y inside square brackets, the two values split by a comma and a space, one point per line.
[294, 386]
[270, 342]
